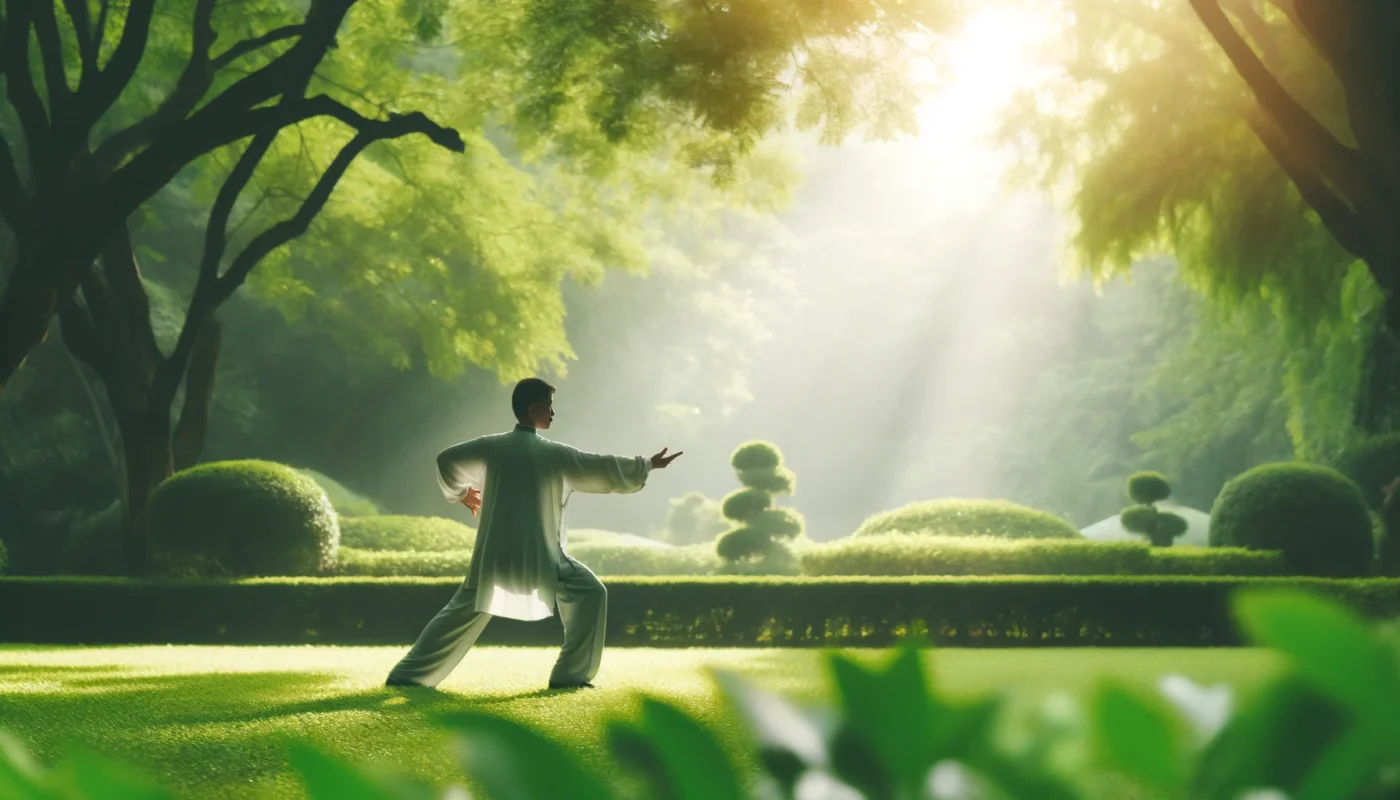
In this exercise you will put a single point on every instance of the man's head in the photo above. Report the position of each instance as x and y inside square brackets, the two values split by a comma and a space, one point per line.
[533, 403]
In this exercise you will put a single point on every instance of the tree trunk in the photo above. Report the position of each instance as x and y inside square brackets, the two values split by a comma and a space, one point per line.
[26, 308]
[149, 460]
[1378, 397]
[199, 396]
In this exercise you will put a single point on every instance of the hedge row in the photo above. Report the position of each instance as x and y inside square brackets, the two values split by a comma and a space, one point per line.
[601, 557]
[896, 555]
[715, 612]
[903, 554]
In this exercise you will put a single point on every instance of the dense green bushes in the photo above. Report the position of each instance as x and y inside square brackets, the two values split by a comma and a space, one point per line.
[728, 611]
[243, 518]
[409, 534]
[956, 517]
[906, 554]
[1315, 515]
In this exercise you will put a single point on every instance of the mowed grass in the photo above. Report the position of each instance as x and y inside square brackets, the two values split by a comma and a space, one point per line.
[213, 721]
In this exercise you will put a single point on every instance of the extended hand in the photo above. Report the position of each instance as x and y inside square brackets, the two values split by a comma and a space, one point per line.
[472, 501]
[660, 460]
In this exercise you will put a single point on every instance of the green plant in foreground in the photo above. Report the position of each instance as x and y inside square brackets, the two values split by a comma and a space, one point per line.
[1323, 728]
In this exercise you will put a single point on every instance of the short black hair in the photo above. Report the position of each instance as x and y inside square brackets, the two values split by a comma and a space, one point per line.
[527, 393]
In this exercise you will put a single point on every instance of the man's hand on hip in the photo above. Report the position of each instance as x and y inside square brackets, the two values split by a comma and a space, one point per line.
[473, 501]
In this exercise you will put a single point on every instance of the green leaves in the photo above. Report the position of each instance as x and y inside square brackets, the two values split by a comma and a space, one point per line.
[1139, 737]
[513, 762]
[680, 759]
[1319, 730]
[1330, 648]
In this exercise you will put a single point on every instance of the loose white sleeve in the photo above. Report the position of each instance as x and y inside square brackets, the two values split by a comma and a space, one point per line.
[599, 474]
[462, 467]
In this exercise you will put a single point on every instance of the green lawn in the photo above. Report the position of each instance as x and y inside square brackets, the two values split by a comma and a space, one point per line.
[210, 721]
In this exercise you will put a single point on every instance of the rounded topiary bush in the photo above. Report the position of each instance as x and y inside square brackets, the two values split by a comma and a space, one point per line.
[756, 455]
[1314, 515]
[1146, 488]
[955, 517]
[1372, 463]
[406, 534]
[243, 518]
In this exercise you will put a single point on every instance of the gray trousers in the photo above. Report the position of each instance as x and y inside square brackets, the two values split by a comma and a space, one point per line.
[582, 603]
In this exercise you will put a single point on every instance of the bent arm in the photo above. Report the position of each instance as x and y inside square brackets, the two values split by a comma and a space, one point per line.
[462, 467]
[599, 474]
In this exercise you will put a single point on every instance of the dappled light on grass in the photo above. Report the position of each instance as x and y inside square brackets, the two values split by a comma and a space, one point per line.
[213, 721]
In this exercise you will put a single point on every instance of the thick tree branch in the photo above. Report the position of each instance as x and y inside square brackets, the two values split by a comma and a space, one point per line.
[132, 320]
[82, 29]
[97, 94]
[99, 31]
[249, 45]
[190, 88]
[1340, 164]
[19, 83]
[227, 118]
[188, 441]
[370, 131]
[14, 205]
[80, 335]
[1260, 30]
[156, 166]
[1345, 225]
[51, 52]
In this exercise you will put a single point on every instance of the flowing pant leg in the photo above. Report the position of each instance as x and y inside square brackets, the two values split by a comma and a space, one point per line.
[582, 601]
[444, 641]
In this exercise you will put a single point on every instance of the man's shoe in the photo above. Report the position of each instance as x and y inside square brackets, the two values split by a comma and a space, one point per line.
[584, 685]
[402, 682]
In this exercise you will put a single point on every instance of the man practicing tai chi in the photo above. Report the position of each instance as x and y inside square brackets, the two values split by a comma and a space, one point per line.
[519, 569]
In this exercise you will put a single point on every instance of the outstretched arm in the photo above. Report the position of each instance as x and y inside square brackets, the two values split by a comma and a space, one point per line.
[462, 469]
[591, 472]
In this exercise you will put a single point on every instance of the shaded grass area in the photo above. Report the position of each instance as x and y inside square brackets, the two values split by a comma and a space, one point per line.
[213, 721]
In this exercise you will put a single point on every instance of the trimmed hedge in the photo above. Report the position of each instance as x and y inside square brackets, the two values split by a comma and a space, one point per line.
[906, 554]
[706, 612]
[601, 557]
[969, 518]
[243, 518]
[389, 564]
[1315, 515]
[404, 533]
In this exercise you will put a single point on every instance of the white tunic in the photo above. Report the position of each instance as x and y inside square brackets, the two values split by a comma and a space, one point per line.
[520, 538]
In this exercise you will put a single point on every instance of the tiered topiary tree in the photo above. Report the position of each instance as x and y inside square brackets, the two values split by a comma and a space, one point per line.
[760, 532]
[1161, 528]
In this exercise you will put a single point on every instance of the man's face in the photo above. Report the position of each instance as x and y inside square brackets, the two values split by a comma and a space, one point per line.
[542, 414]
